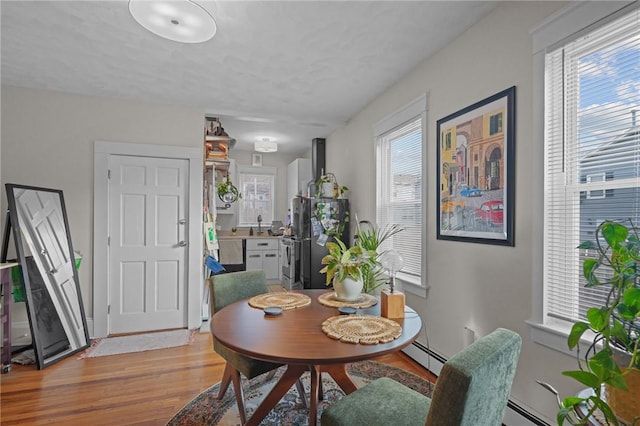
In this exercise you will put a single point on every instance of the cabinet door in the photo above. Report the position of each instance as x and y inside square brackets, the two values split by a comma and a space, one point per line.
[271, 264]
[254, 261]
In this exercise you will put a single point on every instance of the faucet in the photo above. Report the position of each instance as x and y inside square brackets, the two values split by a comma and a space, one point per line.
[259, 224]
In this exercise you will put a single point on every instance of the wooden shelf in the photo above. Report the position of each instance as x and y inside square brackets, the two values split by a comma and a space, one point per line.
[217, 164]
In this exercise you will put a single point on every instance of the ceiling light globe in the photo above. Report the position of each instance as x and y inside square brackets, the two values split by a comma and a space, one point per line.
[190, 23]
[265, 146]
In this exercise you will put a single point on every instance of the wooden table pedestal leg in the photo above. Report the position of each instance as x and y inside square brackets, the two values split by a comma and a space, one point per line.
[288, 379]
[314, 394]
[339, 374]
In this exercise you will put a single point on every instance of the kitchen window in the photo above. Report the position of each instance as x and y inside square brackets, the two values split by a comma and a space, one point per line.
[257, 186]
[400, 160]
[591, 156]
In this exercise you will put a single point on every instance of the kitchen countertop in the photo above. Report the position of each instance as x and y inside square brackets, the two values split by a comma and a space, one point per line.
[244, 235]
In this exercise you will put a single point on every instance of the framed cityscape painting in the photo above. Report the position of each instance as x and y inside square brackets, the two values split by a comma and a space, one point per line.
[475, 172]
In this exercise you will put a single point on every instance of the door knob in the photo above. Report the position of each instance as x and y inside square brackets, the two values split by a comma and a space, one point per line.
[182, 243]
[182, 221]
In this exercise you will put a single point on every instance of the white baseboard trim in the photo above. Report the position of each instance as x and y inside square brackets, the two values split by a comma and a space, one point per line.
[90, 328]
[515, 414]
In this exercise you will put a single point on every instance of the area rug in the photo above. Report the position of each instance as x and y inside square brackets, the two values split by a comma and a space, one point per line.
[205, 409]
[138, 343]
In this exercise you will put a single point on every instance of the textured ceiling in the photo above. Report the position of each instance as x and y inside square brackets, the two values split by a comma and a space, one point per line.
[288, 70]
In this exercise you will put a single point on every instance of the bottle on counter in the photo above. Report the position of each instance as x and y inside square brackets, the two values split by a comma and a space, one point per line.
[251, 231]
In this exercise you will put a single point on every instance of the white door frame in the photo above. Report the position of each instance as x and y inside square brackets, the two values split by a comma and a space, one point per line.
[102, 151]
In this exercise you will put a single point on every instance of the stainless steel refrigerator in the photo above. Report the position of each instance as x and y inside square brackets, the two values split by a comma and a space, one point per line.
[317, 221]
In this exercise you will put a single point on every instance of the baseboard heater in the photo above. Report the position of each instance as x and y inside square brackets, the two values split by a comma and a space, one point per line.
[515, 414]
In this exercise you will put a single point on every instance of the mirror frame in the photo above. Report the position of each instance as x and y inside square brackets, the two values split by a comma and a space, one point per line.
[41, 362]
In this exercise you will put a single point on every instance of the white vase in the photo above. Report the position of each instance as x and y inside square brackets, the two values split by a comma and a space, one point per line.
[348, 289]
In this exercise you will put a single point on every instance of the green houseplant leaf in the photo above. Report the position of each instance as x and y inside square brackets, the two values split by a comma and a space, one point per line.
[584, 377]
[576, 333]
[343, 262]
[372, 238]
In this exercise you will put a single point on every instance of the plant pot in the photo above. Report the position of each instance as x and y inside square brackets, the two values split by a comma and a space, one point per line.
[348, 289]
[328, 190]
[625, 404]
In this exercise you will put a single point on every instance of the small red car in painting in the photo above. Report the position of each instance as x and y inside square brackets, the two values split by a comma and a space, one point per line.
[492, 212]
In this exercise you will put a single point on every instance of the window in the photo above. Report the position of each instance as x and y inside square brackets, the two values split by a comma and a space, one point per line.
[257, 186]
[495, 124]
[447, 141]
[399, 198]
[591, 153]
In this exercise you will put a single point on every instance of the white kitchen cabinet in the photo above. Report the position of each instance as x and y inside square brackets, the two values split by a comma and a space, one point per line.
[263, 255]
[298, 176]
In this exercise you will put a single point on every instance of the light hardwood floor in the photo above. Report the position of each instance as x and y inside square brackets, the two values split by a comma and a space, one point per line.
[138, 388]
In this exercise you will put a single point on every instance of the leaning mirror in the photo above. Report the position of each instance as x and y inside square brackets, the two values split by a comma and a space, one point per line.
[44, 250]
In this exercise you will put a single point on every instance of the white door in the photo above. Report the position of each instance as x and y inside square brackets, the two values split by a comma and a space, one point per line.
[148, 232]
[42, 224]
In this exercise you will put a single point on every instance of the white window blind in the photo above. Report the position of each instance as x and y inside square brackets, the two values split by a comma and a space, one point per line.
[257, 186]
[399, 197]
[592, 153]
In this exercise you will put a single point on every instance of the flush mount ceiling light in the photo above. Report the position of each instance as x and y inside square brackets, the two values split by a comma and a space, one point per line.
[265, 145]
[177, 20]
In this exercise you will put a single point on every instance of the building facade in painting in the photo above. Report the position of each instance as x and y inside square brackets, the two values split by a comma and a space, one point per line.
[472, 153]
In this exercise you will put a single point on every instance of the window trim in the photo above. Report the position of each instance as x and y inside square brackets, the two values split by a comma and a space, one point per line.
[590, 177]
[568, 24]
[266, 171]
[415, 108]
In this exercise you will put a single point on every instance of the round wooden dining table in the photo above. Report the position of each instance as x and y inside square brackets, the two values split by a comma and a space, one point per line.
[295, 338]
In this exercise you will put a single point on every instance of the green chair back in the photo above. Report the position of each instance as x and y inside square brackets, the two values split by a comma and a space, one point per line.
[226, 289]
[474, 385]
[472, 390]
[229, 288]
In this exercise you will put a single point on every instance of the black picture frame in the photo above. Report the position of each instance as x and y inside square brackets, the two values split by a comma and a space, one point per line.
[476, 172]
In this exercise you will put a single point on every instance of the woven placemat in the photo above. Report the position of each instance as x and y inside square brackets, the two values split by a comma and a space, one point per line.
[365, 329]
[329, 299]
[281, 299]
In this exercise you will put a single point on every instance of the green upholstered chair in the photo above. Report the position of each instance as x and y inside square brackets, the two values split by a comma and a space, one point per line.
[224, 290]
[472, 390]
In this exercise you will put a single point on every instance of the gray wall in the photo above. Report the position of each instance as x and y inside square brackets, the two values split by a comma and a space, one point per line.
[479, 286]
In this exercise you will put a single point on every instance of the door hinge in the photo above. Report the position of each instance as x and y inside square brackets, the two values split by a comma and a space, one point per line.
[109, 174]
[108, 309]
[108, 241]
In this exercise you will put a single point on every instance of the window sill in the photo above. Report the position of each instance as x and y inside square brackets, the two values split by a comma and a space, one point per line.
[555, 335]
[412, 285]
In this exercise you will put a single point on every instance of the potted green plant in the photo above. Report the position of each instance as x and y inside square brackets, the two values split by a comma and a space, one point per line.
[370, 238]
[327, 187]
[227, 191]
[610, 367]
[343, 268]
